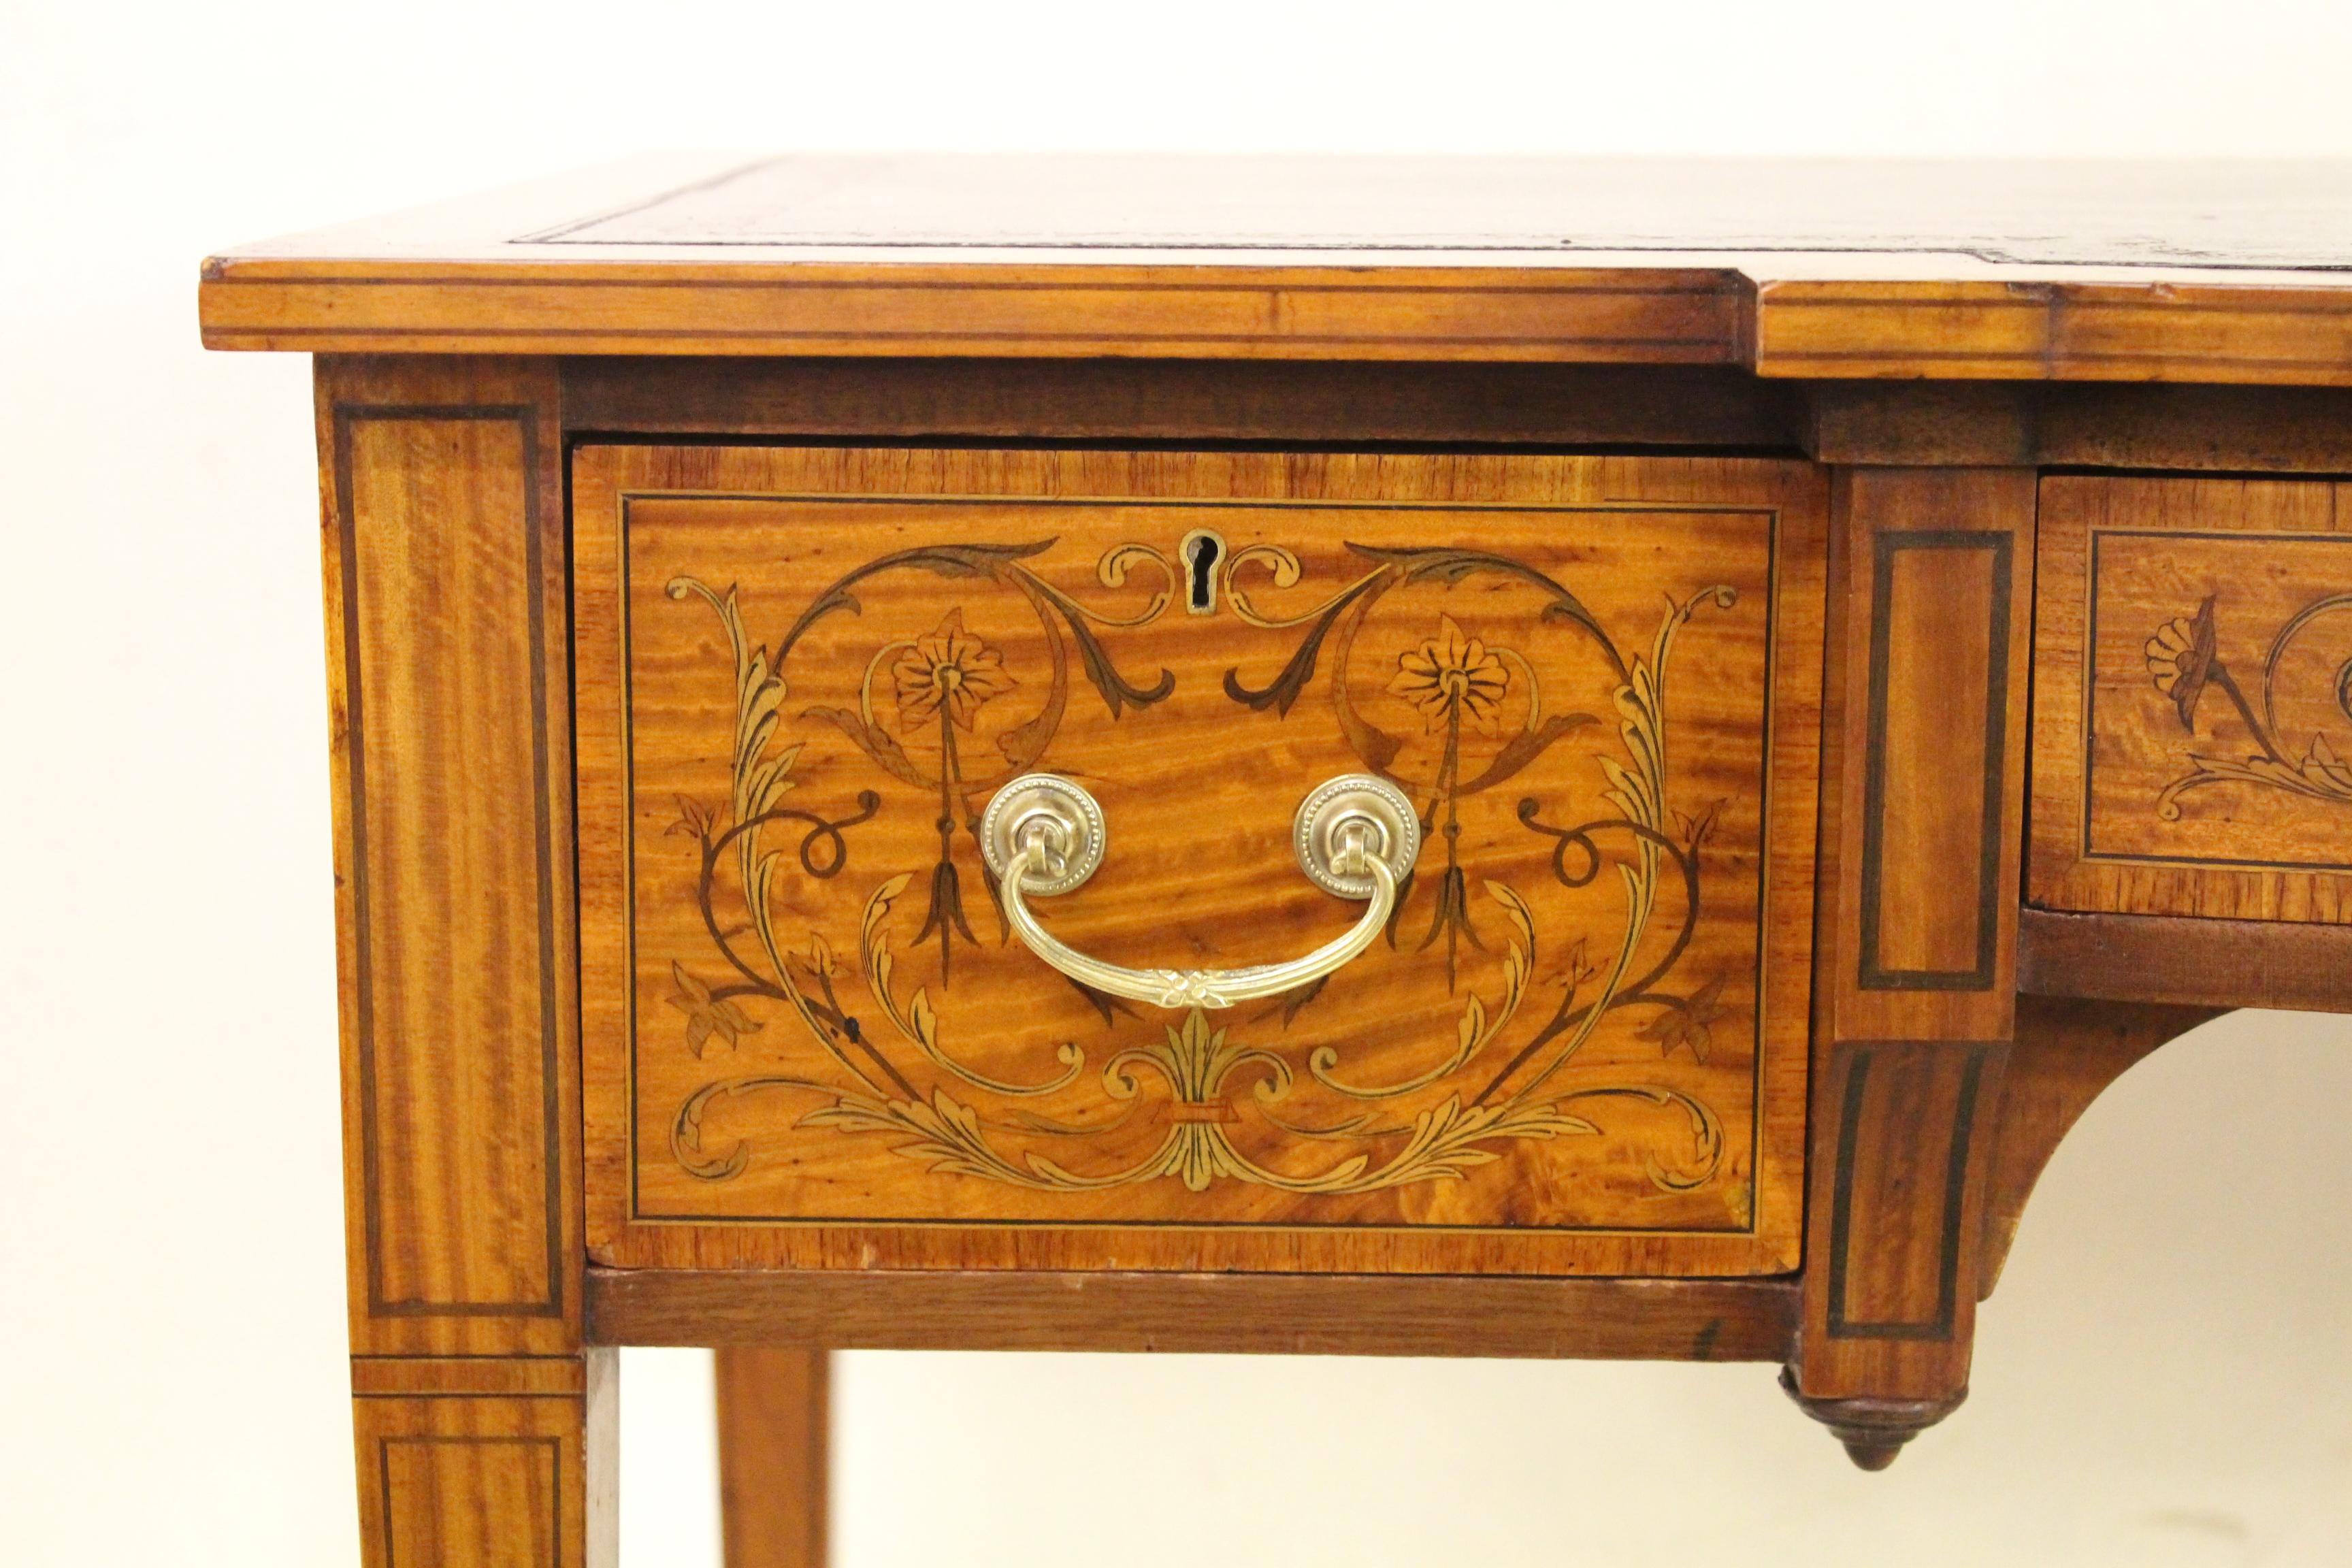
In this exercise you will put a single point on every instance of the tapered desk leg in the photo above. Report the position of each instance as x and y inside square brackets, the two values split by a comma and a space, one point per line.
[1915, 978]
[775, 1430]
[484, 1431]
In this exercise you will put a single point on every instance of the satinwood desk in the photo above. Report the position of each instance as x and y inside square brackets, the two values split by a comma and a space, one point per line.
[1492, 758]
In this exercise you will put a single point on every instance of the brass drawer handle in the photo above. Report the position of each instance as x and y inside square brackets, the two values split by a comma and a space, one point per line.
[1355, 837]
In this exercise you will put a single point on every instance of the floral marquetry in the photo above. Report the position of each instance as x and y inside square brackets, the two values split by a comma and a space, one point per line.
[1576, 1047]
[2181, 658]
[2193, 699]
[1452, 679]
[947, 673]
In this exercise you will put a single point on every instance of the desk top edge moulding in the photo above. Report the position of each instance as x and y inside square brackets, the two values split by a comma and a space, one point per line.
[1388, 756]
[2219, 271]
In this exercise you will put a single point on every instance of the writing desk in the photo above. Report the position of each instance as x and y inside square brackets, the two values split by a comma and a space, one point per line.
[1311, 756]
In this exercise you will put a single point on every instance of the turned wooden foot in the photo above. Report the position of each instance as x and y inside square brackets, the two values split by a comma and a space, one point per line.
[1872, 1430]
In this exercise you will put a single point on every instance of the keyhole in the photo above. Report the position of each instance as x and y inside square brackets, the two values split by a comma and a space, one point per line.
[1201, 550]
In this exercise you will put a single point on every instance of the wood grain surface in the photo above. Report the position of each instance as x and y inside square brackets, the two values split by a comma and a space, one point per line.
[1900, 423]
[1913, 1119]
[2193, 709]
[1337, 404]
[2238, 429]
[441, 489]
[1963, 329]
[484, 1437]
[1207, 1314]
[1627, 317]
[476, 1476]
[2185, 959]
[775, 1419]
[1949, 271]
[434, 1376]
[1924, 777]
[860, 1071]
[1923, 791]
[1799, 330]
[1893, 1248]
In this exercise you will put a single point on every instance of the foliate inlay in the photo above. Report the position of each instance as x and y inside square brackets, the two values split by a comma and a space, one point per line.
[2183, 662]
[2193, 699]
[804, 674]
[919, 699]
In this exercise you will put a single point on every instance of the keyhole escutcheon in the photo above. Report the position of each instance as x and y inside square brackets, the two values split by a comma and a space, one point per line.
[1200, 551]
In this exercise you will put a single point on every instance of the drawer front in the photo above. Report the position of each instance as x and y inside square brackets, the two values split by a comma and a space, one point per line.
[813, 1039]
[2193, 699]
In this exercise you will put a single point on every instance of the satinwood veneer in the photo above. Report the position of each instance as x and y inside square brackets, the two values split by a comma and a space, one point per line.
[1718, 568]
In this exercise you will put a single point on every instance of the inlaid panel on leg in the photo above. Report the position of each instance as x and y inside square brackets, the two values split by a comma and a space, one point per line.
[458, 1469]
[1924, 756]
[477, 1422]
[1907, 1131]
[1929, 897]
[1916, 954]
[1890, 1295]
[444, 550]
[471, 1499]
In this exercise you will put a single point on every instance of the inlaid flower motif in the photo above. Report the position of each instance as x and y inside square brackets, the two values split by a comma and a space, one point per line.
[1451, 676]
[1690, 1022]
[707, 1015]
[949, 670]
[2180, 659]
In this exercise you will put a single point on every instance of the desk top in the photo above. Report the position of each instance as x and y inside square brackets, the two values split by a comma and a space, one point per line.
[2192, 271]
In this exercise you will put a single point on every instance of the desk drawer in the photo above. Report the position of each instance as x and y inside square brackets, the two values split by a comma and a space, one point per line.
[2192, 699]
[815, 1037]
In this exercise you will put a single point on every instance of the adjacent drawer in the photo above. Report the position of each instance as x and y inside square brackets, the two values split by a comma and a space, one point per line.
[812, 1037]
[2193, 699]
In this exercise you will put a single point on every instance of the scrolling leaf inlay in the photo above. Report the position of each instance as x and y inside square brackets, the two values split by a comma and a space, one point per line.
[2183, 661]
[1483, 719]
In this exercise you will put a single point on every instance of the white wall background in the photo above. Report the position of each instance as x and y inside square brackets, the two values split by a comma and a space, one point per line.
[2166, 1377]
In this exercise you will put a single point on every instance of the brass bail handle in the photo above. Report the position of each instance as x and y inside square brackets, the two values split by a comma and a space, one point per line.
[1355, 835]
